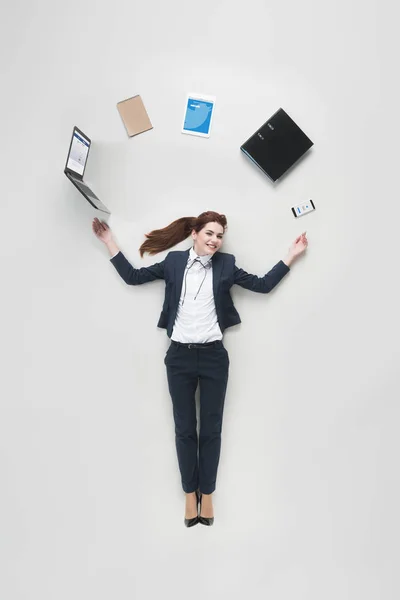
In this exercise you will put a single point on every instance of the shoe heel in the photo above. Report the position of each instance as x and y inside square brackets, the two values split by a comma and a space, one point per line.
[208, 521]
[195, 520]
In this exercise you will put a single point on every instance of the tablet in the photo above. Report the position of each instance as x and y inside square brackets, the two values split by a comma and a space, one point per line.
[199, 112]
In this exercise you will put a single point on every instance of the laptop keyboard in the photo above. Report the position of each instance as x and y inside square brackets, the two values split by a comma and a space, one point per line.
[85, 188]
[89, 193]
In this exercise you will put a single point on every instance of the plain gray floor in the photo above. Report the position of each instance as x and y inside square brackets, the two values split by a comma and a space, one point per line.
[308, 488]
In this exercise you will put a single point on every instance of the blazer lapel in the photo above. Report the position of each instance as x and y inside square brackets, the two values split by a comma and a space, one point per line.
[180, 265]
[217, 264]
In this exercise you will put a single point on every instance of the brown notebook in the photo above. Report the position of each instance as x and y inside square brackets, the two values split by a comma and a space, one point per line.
[134, 115]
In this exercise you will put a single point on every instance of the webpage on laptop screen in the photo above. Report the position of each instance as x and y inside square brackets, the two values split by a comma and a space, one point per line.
[78, 153]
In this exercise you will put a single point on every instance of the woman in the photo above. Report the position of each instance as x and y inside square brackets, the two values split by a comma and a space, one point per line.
[196, 311]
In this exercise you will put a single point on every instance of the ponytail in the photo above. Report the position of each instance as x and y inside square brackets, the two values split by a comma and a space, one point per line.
[177, 231]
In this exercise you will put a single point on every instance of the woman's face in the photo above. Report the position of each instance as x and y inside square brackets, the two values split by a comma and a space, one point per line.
[208, 240]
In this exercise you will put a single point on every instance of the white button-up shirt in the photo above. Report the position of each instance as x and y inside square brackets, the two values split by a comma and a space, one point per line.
[196, 320]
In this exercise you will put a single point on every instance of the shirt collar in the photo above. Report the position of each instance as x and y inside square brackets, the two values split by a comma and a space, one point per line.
[193, 256]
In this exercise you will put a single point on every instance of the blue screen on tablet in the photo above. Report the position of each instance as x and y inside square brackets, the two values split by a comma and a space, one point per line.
[198, 115]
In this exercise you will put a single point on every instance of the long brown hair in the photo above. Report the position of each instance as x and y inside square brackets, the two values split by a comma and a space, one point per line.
[177, 231]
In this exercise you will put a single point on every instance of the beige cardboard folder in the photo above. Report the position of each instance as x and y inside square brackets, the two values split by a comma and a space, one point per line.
[134, 115]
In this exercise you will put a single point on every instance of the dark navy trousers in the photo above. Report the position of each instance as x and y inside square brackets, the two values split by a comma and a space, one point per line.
[190, 365]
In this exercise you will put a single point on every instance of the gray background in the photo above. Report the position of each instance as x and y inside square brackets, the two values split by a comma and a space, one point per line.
[308, 491]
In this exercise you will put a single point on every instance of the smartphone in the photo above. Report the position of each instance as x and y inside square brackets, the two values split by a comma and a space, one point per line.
[303, 209]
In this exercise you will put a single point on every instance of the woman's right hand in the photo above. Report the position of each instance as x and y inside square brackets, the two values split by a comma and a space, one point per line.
[101, 230]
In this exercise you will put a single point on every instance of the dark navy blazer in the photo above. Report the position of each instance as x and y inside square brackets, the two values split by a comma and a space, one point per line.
[225, 274]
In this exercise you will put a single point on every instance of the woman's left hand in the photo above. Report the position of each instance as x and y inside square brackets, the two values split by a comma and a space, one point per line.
[299, 245]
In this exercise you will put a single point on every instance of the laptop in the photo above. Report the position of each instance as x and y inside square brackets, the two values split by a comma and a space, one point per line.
[76, 164]
[277, 145]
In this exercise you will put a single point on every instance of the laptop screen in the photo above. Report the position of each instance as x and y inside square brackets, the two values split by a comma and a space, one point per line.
[78, 153]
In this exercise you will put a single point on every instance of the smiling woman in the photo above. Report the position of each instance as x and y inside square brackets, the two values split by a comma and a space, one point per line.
[197, 309]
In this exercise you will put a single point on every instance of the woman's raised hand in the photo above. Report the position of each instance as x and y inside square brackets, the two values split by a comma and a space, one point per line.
[101, 230]
[299, 245]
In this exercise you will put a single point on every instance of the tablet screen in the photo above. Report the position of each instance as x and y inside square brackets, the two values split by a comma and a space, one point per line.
[198, 115]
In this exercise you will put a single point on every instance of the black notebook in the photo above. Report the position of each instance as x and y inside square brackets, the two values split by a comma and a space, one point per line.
[277, 145]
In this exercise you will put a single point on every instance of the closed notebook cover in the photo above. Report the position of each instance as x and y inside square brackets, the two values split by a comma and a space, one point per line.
[277, 145]
[134, 115]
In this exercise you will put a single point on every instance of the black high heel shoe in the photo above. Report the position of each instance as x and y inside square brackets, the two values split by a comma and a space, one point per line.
[205, 520]
[192, 522]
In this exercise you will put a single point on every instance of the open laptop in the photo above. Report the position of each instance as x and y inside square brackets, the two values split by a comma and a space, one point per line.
[76, 164]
